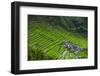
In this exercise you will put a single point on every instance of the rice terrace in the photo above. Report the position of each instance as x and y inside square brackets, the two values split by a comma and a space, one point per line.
[57, 37]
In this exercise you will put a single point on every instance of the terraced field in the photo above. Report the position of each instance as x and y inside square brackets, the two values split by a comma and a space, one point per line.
[45, 42]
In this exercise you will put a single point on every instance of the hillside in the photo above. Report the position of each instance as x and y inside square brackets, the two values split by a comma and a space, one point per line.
[45, 40]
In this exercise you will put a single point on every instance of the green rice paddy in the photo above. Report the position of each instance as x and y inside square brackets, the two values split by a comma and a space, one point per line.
[45, 42]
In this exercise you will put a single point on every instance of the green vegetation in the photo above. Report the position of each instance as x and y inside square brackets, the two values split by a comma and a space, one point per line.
[46, 34]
